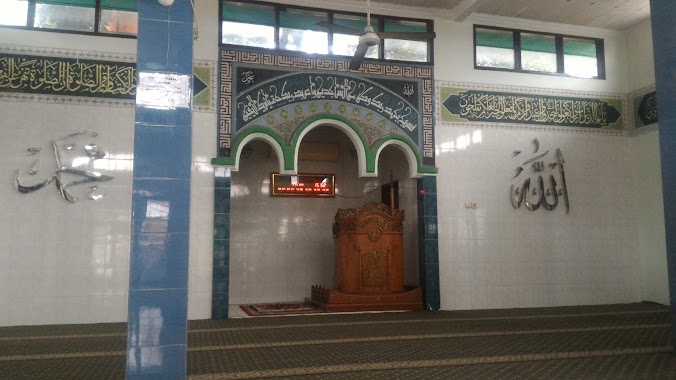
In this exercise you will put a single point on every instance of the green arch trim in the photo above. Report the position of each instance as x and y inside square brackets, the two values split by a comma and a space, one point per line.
[289, 151]
[232, 160]
[369, 156]
[420, 167]
[413, 148]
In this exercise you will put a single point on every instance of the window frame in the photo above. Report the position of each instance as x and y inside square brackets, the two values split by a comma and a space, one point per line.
[30, 21]
[558, 37]
[330, 13]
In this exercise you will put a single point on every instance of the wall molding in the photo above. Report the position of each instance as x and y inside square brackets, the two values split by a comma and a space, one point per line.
[67, 53]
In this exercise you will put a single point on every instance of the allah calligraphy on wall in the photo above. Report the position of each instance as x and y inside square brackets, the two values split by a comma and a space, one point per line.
[467, 105]
[67, 76]
[539, 179]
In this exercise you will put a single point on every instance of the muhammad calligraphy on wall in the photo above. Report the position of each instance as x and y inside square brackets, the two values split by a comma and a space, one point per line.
[464, 105]
[74, 157]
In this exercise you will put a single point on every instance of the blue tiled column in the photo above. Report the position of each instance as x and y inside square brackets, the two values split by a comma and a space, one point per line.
[221, 275]
[158, 279]
[663, 14]
[428, 241]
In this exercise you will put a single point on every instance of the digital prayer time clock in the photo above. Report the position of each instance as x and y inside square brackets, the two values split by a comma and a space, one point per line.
[306, 185]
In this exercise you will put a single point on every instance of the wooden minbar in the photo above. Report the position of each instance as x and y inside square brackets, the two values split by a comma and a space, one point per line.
[369, 263]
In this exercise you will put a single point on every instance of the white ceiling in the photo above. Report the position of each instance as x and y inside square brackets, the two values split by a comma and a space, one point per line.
[608, 14]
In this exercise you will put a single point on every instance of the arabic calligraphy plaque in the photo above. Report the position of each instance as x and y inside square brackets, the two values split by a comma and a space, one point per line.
[67, 76]
[502, 107]
[647, 109]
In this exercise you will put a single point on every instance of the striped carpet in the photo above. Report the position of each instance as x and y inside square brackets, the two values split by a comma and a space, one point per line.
[628, 341]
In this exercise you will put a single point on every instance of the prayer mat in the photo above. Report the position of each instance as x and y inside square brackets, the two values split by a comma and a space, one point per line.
[280, 308]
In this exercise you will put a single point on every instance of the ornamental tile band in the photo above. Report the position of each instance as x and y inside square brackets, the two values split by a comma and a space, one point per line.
[543, 109]
[88, 78]
[67, 76]
[472, 105]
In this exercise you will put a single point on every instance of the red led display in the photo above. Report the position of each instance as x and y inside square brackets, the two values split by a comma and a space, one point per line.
[307, 185]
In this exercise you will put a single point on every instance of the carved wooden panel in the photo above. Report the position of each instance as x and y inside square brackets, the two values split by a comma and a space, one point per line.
[373, 268]
[369, 253]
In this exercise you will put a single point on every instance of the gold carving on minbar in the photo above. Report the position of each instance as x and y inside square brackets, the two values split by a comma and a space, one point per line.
[374, 234]
[374, 268]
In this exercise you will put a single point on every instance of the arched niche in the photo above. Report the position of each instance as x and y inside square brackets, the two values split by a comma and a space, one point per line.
[265, 135]
[412, 158]
[288, 154]
[352, 133]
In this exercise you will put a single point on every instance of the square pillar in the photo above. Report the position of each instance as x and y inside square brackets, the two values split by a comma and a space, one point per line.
[158, 279]
[662, 15]
[428, 242]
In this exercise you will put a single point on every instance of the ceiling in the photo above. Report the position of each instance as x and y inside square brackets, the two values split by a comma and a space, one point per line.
[607, 14]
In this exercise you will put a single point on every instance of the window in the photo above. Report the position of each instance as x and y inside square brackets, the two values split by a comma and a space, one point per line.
[405, 50]
[346, 44]
[285, 27]
[298, 30]
[538, 53]
[110, 17]
[76, 15]
[119, 17]
[14, 12]
[524, 51]
[494, 48]
[580, 57]
[248, 24]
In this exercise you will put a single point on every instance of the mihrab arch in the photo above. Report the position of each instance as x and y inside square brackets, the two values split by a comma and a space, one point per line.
[280, 98]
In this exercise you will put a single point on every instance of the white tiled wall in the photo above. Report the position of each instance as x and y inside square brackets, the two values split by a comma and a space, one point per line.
[650, 218]
[62, 262]
[497, 257]
[69, 263]
[281, 246]
[201, 216]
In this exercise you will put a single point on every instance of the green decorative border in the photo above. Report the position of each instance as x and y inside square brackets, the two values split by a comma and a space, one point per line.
[289, 149]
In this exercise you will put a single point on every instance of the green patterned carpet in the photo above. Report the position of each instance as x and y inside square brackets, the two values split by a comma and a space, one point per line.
[584, 342]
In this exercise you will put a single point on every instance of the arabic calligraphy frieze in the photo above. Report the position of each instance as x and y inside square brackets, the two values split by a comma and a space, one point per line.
[646, 107]
[67, 76]
[539, 180]
[295, 88]
[503, 107]
[253, 76]
[243, 72]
